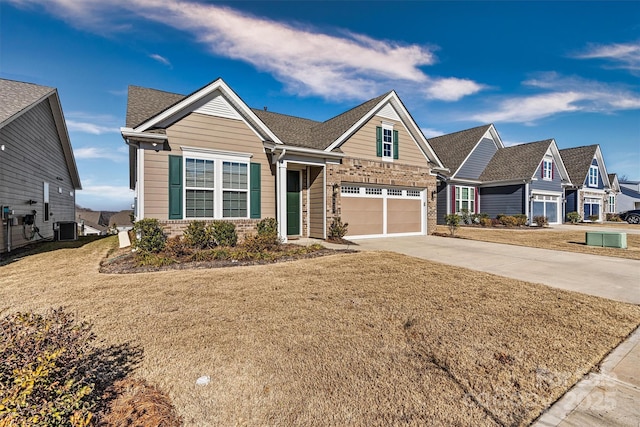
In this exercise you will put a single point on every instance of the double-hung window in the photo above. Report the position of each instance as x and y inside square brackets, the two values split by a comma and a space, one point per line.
[593, 176]
[547, 169]
[465, 199]
[387, 142]
[216, 186]
[612, 203]
[199, 188]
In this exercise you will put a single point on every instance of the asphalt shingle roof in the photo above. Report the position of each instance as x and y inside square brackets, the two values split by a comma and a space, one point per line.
[144, 103]
[16, 96]
[453, 148]
[577, 160]
[515, 162]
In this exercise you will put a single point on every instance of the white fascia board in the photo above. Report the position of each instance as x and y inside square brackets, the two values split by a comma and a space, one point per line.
[130, 133]
[603, 168]
[507, 182]
[495, 135]
[566, 180]
[220, 85]
[301, 150]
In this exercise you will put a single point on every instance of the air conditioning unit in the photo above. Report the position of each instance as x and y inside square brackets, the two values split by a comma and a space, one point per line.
[65, 231]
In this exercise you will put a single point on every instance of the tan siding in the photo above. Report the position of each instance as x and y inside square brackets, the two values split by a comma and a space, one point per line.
[33, 154]
[316, 199]
[403, 216]
[203, 131]
[363, 215]
[362, 144]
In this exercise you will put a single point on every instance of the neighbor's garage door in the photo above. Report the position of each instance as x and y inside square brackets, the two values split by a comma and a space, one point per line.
[377, 211]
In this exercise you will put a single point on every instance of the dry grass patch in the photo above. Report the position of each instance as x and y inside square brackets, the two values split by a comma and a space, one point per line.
[363, 339]
[546, 238]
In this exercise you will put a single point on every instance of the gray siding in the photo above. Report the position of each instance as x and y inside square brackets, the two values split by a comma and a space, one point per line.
[553, 185]
[33, 155]
[473, 167]
[572, 201]
[600, 186]
[507, 199]
[441, 203]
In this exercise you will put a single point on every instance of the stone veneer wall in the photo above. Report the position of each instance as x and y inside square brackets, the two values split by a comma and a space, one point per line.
[244, 227]
[604, 201]
[380, 173]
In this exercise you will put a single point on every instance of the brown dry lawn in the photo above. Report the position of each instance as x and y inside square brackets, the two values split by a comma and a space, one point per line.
[548, 238]
[369, 338]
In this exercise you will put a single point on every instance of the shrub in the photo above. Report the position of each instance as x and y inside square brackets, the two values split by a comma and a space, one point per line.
[153, 260]
[495, 222]
[541, 221]
[508, 220]
[486, 222]
[338, 229]
[267, 226]
[196, 236]
[466, 217]
[453, 222]
[594, 218]
[613, 217]
[46, 376]
[222, 233]
[149, 236]
[177, 247]
[260, 242]
[521, 219]
[574, 217]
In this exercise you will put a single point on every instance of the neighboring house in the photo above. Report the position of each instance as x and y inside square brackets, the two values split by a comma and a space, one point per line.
[121, 221]
[589, 193]
[612, 205]
[38, 173]
[629, 196]
[209, 156]
[484, 176]
[91, 222]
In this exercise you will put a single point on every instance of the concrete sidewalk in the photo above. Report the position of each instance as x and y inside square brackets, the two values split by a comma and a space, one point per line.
[607, 398]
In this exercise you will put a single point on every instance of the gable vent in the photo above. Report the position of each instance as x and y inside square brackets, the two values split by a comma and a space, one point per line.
[388, 112]
[219, 107]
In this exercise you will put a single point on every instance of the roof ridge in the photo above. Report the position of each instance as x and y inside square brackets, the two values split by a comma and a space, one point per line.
[283, 114]
[460, 131]
[380, 97]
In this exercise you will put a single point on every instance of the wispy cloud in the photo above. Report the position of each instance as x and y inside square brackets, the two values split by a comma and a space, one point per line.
[431, 133]
[338, 66]
[95, 124]
[619, 55]
[161, 59]
[562, 95]
[92, 128]
[119, 155]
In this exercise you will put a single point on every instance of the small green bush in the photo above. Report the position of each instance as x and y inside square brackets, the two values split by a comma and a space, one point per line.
[594, 218]
[574, 217]
[177, 247]
[541, 221]
[222, 233]
[453, 222]
[149, 236]
[46, 377]
[338, 229]
[521, 219]
[196, 235]
[508, 220]
[267, 226]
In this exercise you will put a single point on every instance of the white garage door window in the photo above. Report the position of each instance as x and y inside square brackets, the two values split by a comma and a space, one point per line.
[545, 205]
[378, 211]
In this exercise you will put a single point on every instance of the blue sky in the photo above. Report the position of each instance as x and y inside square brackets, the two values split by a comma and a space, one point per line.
[563, 70]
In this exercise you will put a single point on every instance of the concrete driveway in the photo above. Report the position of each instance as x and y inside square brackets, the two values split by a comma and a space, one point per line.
[608, 277]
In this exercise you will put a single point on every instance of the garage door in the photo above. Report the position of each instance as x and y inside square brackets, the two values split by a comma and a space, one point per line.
[380, 211]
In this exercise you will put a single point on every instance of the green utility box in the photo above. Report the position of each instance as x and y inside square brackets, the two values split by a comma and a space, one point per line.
[607, 239]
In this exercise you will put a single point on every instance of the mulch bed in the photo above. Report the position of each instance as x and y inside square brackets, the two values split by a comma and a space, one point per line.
[124, 261]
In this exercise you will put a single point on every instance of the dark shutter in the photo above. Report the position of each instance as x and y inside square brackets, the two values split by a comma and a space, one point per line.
[395, 144]
[453, 199]
[542, 169]
[378, 141]
[175, 187]
[552, 171]
[476, 204]
[254, 188]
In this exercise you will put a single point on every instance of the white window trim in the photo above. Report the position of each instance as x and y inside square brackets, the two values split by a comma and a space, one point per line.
[472, 193]
[612, 203]
[594, 176]
[547, 171]
[218, 158]
[389, 127]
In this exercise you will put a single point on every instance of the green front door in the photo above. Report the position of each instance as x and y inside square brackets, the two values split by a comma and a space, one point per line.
[293, 203]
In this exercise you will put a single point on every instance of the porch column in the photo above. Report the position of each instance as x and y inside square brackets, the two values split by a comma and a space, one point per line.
[281, 198]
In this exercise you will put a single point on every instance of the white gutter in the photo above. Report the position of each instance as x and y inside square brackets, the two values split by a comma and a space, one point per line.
[130, 133]
[312, 152]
